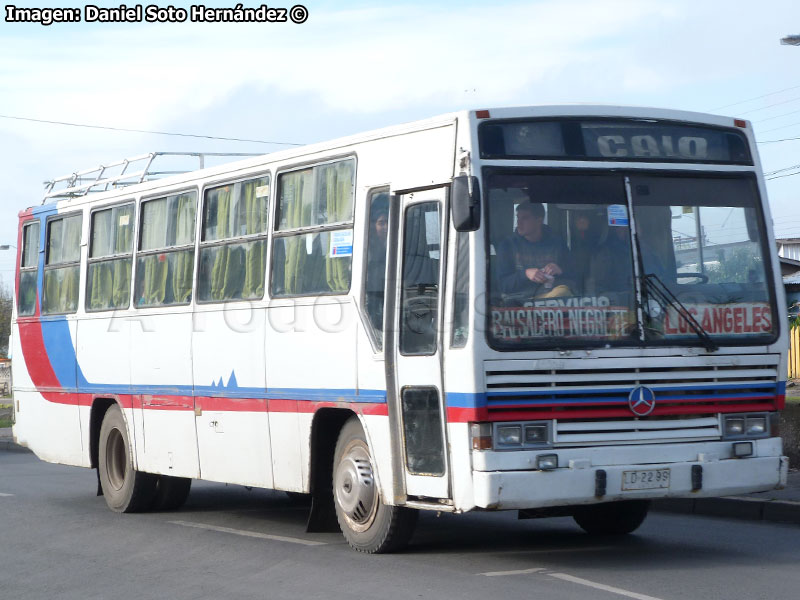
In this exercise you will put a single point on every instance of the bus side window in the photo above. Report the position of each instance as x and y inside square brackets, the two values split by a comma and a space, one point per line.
[108, 284]
[165, 260]
[317, 262]
[62, 269]
[375, 278]
[28, 270]
[419, 298]
[233, 246]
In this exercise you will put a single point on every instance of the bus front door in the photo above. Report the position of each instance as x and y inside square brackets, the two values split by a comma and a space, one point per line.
[416, 343]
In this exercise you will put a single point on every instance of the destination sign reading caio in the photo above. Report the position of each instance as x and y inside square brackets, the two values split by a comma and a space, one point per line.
[612, 139]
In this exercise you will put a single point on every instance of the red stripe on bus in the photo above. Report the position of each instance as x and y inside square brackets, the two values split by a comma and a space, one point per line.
[36, 359]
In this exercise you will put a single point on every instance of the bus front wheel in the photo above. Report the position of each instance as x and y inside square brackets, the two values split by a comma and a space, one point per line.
[124, 489]
[612, 518]
[368, 524]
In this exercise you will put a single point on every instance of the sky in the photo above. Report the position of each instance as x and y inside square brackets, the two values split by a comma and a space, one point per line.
[355, 66]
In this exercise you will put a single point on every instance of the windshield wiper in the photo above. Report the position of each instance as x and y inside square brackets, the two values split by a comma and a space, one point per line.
[665, 297]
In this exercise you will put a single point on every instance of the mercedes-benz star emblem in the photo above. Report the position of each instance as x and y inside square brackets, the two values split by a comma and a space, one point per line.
[641, 401]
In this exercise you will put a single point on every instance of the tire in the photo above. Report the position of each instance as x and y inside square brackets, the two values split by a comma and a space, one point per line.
[368, 525]
[612, 518]
[124, 489]
[171, 493]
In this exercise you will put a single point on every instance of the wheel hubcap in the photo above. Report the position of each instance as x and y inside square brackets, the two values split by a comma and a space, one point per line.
[355, 487]
[116, 459]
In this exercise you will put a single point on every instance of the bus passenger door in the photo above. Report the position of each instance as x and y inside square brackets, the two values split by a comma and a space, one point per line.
[415, 374]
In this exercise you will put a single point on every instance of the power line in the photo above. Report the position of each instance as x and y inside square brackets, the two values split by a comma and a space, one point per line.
[191, 135]
[776, 141]
[781, 127]
[747, 112]
[780, 176]
[777, 116]
[756, 98]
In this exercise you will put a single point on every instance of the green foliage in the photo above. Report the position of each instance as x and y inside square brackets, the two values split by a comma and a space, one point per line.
[5, 318]
[736, 266]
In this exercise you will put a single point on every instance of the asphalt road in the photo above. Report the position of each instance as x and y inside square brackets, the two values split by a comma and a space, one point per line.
[58, 540]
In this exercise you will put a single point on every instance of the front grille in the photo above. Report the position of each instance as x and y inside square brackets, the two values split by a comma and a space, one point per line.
[598, 388]
[648, 430]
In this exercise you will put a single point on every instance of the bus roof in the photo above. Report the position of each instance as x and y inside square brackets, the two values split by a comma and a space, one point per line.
[533, 111]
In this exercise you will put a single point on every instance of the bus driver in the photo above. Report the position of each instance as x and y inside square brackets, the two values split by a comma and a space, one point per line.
[533, 259]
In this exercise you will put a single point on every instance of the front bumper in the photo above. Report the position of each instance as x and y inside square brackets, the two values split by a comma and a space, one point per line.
[577, 481]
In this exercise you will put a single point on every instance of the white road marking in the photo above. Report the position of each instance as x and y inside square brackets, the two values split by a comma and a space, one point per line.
[520, 572]
[245, 533]
[555, 550]
[601, 586]
[6, 495]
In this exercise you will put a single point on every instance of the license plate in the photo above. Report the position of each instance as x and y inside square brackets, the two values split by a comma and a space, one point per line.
[645, 480]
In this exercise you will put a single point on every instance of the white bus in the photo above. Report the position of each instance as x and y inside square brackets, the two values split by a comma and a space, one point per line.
[566, 310]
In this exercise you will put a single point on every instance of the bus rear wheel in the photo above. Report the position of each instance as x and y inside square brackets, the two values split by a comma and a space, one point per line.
[368, 524]
[124, 489]
[612, 518]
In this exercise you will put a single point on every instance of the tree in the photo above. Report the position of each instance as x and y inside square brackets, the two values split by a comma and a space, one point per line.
[5, 318]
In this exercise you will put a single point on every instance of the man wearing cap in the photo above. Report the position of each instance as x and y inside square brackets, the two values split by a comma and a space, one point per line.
[533, 260]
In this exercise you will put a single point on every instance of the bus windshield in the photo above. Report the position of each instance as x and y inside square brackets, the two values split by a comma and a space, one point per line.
[561, 266]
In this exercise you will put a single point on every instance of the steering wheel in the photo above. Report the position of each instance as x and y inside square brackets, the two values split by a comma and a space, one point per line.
[419, 313]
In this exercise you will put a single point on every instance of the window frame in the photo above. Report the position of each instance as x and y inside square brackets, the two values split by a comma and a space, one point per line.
[200, 234]
[30, 269]
[138, 252]
[61, 265]
[438, 339]
[94, 260]
[377, 343]
[310, 229]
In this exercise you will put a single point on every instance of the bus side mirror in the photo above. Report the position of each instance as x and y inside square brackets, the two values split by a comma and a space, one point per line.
[465, 204]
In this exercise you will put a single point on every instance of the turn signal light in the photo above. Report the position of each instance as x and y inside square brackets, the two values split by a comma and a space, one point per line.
[481, 434]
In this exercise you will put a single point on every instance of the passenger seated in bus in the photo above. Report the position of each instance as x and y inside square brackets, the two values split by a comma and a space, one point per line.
[584, 242]
[533, 260]
[376, 266]
[612, 264]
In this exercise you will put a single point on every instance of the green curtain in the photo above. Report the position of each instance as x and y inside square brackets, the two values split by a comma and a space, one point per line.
[70, 251]
[154, 283]
[295, 187]
[220, 269]
[123, 244]
[61, 290]
[50, 302]
[153, 272]
[101, 282]
[338, 192]
[255, 210]
[184, 260]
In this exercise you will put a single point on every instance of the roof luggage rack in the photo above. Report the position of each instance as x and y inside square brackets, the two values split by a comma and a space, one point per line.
[117, 174]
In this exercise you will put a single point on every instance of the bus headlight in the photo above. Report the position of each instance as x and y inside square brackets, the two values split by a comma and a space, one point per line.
[536, 434]
[522, 435]
[509, 435]
[734, 426]
[746, 426]
[756, 426]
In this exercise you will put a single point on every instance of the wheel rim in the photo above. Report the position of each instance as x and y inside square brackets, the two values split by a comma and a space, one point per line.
[354, 487]
[116, 459]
